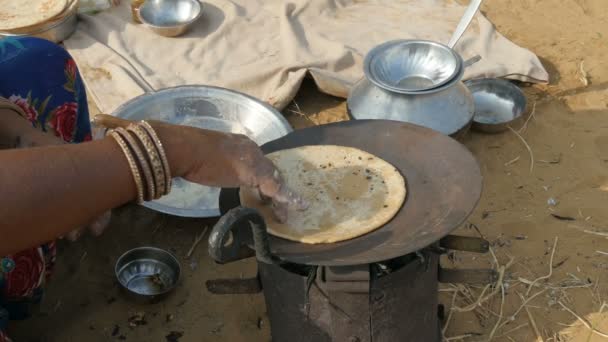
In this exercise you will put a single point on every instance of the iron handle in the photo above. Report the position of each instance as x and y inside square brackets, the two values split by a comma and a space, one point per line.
[235, 232]
[471, 61]
[465, 243]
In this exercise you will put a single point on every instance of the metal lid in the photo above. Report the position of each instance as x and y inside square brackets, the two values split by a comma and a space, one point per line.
[412, 66]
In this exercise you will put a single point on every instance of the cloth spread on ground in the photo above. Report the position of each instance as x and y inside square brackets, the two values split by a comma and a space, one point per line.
[266, 47]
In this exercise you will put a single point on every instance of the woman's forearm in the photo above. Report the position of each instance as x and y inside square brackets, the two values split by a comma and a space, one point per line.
[48, 191]
[17, 132]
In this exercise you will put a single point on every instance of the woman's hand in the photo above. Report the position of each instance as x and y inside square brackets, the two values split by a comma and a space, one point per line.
[221, 160]
[20, 132]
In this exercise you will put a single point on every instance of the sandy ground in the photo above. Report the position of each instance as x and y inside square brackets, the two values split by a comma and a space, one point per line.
[568, 140]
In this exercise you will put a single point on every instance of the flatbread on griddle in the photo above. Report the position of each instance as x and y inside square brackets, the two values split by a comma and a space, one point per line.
[351, 193]
[16, 14]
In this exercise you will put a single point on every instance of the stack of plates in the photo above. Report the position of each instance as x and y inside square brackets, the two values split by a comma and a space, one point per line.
[54, 20]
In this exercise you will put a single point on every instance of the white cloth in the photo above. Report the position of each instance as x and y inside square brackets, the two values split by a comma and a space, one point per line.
[265, 47]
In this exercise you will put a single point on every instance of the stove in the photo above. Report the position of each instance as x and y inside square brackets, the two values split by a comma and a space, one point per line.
[380, 287]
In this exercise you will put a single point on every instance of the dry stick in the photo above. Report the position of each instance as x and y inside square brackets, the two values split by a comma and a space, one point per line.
[585, 230]
[599, 314]
[480, 300]
[550, 287]
[459, 337]
[525, 125]
[533, 324]
[512, 330]
[300, 113]
[197, 240]
[532, 284]
[447, 321]
[584, 321]
[502, 304]
[524, 303]
[527, 147]
[595, 289]
[467, 293]
[512, 161]
[550, 268]
[595, 233]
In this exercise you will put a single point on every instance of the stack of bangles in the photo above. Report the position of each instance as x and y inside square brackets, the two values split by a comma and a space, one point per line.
[147, 159]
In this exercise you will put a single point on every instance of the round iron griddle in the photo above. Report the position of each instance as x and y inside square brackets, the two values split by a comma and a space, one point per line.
[443, 187]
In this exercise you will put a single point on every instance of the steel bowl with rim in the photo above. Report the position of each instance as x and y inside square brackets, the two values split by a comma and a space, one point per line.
[412, 66]
[498, 104]
[205, 107]
[169, 18]
[148, 271]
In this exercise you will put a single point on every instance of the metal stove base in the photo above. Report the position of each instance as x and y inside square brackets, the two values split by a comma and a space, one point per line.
[343, 304]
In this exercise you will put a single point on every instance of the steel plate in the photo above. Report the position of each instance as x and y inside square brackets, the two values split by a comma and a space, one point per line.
[210, 108]
[443, 182]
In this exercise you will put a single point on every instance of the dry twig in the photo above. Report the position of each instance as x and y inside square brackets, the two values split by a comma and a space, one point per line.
[459, 337]
[197, 240]
[550, 269]
[527, 147]
[447, 321]
[533, 324]
[512, 161]
[582, 320]
[587, 230]
[499, 320]
[524, 304]
[525, 125]
[512, 330]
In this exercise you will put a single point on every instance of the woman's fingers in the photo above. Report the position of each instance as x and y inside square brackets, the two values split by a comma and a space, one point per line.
[273, 187]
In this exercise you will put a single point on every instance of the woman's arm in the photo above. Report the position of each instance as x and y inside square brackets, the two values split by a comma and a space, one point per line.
[48, 191]
[17, 132]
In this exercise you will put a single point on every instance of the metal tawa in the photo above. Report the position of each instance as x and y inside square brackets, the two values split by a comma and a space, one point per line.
[211, 108]
[443, 187]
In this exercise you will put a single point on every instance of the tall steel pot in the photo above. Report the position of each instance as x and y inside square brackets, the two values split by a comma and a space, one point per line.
[447, 107]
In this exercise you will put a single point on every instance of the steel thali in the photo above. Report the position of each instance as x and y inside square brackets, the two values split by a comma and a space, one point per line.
[210, 108]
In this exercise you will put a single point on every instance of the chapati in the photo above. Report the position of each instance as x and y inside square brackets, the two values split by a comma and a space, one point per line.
[350, 192]
[17, 14]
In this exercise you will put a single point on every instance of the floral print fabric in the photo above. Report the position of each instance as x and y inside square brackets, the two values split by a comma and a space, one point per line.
[42, 79]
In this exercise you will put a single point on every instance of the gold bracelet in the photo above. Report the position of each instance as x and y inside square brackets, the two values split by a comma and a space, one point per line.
[153, 157]
[134, 170]
[161, 152]
[143, 163]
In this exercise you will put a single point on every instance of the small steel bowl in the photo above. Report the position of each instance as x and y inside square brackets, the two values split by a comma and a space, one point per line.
[170, 18]
[498, 104]
[411, 66]
[148, 271]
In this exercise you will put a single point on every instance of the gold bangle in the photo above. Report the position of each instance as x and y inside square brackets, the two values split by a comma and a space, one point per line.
[153, 157]
[134, 170]
[161, 152]
[143, 163]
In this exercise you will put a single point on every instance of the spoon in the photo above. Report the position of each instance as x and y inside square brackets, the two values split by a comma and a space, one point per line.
[468, 15]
